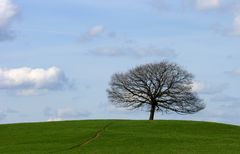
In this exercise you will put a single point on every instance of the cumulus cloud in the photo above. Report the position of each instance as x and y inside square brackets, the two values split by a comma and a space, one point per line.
[134, 51]
[204, 88]
[65, 114]
[29, 81]
[207, 4]
[8, 12]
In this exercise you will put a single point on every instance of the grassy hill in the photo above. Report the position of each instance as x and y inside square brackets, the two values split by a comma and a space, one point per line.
[120, 136]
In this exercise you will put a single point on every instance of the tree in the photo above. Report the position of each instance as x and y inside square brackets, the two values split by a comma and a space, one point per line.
[163, 87]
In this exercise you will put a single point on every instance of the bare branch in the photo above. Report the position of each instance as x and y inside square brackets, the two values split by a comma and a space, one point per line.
[162, 87]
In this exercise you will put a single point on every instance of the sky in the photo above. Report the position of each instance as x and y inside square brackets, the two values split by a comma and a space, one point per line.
[57, 57]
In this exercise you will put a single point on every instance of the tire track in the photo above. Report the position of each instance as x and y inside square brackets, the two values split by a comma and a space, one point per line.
[91, 139]
[94, 137]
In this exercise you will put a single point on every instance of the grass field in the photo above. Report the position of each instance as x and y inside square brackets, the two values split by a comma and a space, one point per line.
[120, 136]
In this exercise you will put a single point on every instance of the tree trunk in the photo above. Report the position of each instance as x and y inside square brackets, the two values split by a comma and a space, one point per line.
[152, 111]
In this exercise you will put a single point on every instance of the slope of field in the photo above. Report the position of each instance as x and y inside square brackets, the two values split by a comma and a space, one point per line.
[120, 136]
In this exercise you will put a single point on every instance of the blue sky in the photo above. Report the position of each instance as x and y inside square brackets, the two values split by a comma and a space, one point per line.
[57, 57]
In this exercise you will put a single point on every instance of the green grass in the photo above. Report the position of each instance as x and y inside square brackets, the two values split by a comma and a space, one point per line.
[120, 136]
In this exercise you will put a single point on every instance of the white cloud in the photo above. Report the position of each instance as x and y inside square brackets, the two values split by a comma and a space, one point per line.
[235, 31]
[96, 30]
[207, 4]
[92, 33]
[28, 81]
[133, 51]
[197, 87]
[8, 11]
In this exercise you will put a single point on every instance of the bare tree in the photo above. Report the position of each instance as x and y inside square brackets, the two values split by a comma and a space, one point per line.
[163, 87]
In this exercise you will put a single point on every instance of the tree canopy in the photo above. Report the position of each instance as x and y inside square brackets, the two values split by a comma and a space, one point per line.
[163, 87]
